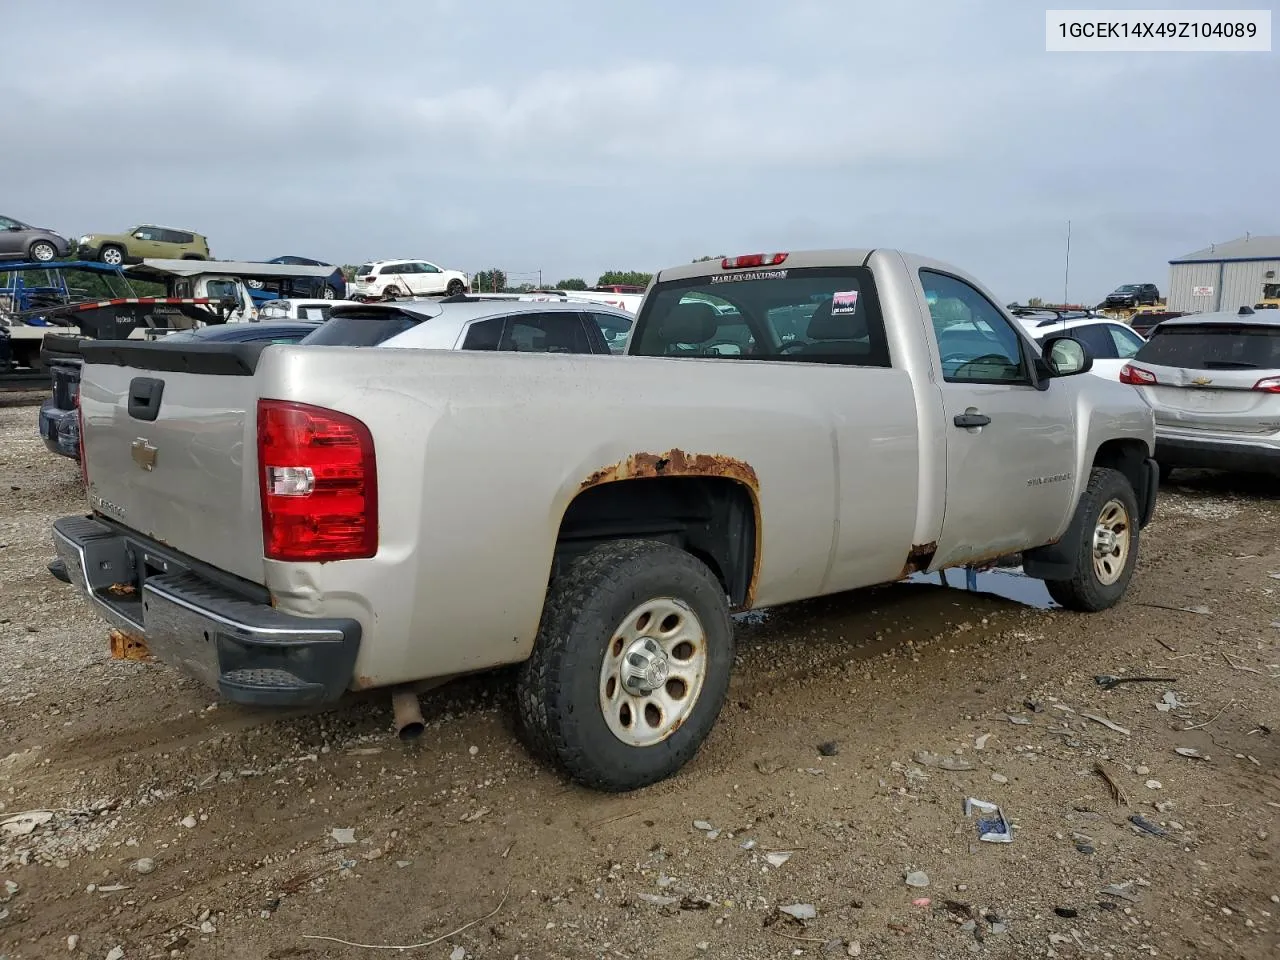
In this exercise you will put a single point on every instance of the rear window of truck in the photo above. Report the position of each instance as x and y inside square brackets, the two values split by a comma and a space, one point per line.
[806, 314]
[1213, 347]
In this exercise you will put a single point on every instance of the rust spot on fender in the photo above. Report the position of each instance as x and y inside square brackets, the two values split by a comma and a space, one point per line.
[675, 463]
[127, 646]
[363, 683]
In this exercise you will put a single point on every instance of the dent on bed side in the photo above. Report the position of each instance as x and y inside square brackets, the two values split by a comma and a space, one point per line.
[679, 463]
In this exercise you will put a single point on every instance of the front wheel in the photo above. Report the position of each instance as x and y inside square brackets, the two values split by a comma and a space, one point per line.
[42, 251]
[112, 256]
[1107, 547]
[631, 665]
[455, 288]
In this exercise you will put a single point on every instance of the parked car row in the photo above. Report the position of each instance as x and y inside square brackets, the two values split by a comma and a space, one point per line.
[377, 280]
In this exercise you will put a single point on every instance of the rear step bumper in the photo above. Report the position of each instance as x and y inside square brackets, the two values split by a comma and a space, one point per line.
[241, 646]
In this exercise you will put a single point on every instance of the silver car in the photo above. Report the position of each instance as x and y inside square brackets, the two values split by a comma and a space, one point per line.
[1213, 382]
[475, 323]
[21, 241]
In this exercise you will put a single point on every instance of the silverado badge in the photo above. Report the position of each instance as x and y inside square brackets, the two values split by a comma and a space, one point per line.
[144, 454]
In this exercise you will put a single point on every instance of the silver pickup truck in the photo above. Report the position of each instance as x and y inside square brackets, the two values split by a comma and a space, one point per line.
[289, 522]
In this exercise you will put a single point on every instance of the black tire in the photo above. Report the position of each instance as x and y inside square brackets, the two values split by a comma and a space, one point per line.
[330, 293]
[110, 253]
[455, 288]
[392, 293]
[560, 684]
[192, 256]
[1086, 591]
[42, 251]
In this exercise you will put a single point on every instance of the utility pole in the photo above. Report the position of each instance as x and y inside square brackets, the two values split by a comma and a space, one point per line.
[1066, 273]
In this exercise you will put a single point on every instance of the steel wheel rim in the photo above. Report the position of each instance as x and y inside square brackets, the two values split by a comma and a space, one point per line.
[112, 257]
[653, 671]
[1111, 540]
[43, 252]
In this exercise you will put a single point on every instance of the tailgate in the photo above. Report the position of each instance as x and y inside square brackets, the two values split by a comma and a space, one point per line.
[169, 446]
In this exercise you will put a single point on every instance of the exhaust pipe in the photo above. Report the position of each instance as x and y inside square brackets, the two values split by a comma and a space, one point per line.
[408, 714]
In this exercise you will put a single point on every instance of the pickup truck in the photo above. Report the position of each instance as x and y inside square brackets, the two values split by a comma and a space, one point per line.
[287, 523]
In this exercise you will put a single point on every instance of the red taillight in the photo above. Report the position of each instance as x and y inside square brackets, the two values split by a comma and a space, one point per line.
[1268, 385]
[752, 260]
[84, 464]
[319, 483]
[1136, 376]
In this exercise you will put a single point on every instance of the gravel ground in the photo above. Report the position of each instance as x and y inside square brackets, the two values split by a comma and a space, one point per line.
[170, 825]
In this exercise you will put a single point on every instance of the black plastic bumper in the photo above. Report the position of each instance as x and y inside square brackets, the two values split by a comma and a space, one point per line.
[1213, 455]
[230, 639]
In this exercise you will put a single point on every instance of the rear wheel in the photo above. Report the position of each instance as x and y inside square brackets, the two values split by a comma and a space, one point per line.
[330, 293]
[43, 251]
[112, 256]
[631, 665]
[1107, 547]
[392, 293]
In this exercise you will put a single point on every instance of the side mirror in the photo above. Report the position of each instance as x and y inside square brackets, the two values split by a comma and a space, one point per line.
[1066, 356]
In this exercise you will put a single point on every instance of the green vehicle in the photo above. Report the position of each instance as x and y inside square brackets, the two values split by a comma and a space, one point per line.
[144, 242]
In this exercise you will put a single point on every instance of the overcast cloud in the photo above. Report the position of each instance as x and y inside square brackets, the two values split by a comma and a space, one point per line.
[574, 137]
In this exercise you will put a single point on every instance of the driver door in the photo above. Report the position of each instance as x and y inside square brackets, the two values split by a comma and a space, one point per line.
[145, 243]
[430, 278]
[1010, 447]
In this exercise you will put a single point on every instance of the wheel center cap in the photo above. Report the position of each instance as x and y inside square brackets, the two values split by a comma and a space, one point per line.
[1104, 541]
[645, 667]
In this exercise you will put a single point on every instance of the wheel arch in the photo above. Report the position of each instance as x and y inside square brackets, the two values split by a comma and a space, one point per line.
[705, 504]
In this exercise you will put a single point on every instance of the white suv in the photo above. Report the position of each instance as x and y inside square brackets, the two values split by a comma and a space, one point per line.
[406, 278]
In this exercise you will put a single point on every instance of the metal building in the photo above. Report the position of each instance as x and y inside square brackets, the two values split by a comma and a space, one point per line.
[1224, 276]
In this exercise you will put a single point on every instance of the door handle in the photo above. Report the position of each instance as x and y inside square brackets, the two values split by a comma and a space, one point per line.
[971, 420]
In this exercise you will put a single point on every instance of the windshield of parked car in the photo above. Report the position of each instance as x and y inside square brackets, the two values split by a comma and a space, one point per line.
[812, 315]
[1127, 288]
[1213, 347]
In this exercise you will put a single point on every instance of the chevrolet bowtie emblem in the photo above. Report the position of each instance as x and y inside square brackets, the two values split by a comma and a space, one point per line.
[1202, 381]
[144, 454]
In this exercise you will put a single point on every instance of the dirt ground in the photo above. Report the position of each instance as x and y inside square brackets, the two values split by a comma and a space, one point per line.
[177, 826]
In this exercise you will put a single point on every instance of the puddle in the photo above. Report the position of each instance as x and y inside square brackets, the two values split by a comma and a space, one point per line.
[1006, 584]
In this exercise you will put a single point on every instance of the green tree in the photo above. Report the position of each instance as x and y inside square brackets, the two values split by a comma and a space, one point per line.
[1035, 302]
[493, 280]
[573, 283]
[629, 277]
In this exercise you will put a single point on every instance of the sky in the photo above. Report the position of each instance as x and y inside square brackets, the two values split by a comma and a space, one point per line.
[577, 136]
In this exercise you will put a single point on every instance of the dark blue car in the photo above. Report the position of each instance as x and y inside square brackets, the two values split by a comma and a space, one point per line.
[332, 287]
[59, 425]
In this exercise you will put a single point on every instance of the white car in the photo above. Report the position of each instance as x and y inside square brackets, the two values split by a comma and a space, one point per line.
[300, 309]
[406, 278]
[1111, 343]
